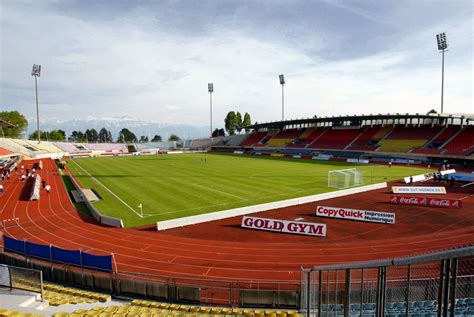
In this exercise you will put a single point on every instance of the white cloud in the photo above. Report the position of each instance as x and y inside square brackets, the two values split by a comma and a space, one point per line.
[133, 66]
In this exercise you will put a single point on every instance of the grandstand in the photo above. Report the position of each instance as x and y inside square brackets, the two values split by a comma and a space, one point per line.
[415, 135]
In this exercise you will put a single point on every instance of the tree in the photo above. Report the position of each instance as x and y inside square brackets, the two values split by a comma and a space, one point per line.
[156, 138]
[18, 121]
[125, 135]
[104, 135]
[247, 121]
[238, 122]
[174, 137]
[76, 136]
[218, 132]
[143, 139]
[230, 122]
[92, 135]
[34, 135]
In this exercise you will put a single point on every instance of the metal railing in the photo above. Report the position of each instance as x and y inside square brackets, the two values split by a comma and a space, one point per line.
[164, 288]
[438, 283]
[21, 278]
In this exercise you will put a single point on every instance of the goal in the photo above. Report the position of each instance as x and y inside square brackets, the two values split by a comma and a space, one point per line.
[345, 178]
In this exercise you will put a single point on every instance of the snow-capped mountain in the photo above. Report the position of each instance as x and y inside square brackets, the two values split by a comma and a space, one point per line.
[115, 124]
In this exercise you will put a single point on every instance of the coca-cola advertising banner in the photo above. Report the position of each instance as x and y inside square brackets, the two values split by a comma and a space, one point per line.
[287, 226]
[354, 214]
[418, 190]
[425, 201]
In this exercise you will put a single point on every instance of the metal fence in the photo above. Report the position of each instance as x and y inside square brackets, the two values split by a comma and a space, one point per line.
[21, 278]
[435, 284]
[164, 288]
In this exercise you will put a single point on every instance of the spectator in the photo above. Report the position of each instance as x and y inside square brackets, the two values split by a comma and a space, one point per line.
[1, 189]
[48, 189]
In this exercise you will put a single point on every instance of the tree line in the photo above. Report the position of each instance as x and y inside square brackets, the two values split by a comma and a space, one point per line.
[234, 122]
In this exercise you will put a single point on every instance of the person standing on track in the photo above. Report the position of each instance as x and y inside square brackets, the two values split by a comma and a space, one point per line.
[48, 189]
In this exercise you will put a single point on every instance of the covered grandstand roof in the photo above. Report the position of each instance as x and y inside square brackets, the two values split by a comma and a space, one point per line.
[440, 118]
[5, 124]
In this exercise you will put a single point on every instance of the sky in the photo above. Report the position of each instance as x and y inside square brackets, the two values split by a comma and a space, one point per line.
[152, 60]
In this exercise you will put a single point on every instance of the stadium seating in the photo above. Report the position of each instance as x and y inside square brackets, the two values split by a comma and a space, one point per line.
[205, 143]
[447, 133]
[59, 295]
[254, 138]
[16, 313]
[425, 132]
[335, 139]
[44, 145]
[368, 138]
[401, 146]
[283, 138]
[105, 147]
[307, 137]
[462, 143]
[67, 147]
[427, 151]
[403, 139]
[151, 308]
[5, 152]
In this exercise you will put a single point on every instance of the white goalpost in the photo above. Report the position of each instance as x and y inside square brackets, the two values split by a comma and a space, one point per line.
[345, 178]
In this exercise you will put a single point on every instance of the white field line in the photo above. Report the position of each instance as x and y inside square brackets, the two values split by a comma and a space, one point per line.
[233, 202]
[107, 189]
[219, 191]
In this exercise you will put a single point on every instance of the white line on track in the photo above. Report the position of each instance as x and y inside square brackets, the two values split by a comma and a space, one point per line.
[107, 189]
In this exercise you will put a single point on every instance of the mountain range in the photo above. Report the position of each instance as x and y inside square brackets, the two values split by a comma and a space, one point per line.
[115, 124]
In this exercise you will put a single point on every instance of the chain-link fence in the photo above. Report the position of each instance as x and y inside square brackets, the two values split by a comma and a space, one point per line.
[436, 284]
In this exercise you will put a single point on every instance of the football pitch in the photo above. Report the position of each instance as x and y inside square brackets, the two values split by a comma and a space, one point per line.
[180, 185]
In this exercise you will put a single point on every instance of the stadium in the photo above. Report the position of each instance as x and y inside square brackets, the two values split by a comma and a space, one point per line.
[326, 214]
[153, 250]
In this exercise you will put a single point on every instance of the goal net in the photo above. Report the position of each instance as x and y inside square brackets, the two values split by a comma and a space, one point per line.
[345, 178]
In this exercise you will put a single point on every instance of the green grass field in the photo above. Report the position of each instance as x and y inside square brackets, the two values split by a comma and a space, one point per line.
[173, 186]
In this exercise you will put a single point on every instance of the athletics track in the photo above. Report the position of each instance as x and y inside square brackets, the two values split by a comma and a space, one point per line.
[221, 250]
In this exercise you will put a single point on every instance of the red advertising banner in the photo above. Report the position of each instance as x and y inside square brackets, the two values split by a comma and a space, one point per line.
[425, 201]
[287, 226]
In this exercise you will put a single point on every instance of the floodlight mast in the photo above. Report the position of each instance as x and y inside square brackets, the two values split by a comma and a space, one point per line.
[282, 83]
[442, 46]
[210, 89]
[36, 72]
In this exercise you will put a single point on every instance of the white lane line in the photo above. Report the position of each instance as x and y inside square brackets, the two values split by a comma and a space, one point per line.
[107, 189]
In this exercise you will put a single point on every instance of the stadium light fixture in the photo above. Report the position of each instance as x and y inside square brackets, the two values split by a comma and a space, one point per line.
[282, 83]
[442, 46]
[36, 72]
[210, 89]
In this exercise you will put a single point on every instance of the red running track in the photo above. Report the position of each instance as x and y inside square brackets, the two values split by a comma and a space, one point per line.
[221, 250]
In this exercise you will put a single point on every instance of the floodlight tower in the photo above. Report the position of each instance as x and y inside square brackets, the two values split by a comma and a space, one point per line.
[442, 46]
[35, 72]
[282, 83]
[210, 89]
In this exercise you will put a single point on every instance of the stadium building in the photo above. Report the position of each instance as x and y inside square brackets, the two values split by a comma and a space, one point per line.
[378, 222]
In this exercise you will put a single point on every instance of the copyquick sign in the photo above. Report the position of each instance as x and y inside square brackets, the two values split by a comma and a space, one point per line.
[418, 190]
[355, 214]
[286, 226]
